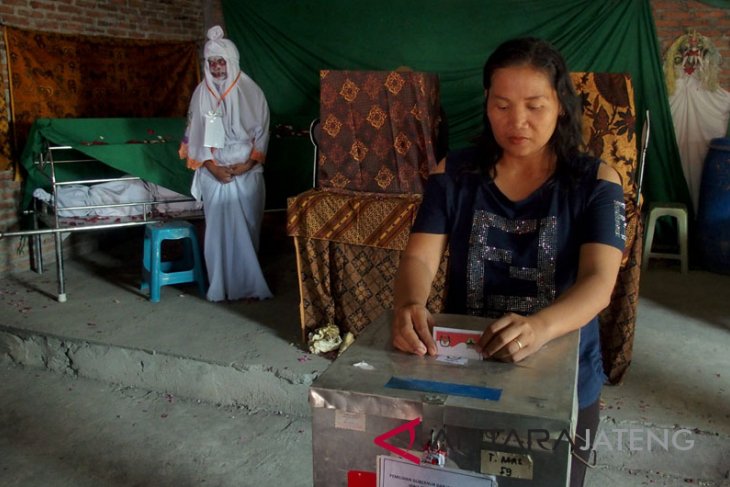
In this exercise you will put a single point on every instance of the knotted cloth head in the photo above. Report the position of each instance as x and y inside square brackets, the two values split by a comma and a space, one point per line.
[218, 46]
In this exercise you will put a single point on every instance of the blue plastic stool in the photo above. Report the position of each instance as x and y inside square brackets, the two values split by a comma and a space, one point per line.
[156, 272]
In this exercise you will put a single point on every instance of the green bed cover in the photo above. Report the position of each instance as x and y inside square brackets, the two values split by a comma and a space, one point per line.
[143, 147]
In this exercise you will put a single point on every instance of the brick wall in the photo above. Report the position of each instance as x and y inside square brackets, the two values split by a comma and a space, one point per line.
[188, 19]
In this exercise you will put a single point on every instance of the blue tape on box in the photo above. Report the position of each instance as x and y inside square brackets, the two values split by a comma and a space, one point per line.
[478, 392]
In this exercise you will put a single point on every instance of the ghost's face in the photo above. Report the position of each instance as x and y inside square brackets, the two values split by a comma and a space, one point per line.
[218, 67]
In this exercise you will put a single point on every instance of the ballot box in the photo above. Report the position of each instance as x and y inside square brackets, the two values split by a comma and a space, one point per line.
[514, 421]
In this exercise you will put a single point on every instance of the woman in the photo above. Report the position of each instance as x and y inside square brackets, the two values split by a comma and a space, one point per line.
[535, 229]
[225, 144]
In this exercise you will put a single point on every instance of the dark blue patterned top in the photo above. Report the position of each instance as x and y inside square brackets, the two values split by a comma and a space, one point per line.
[520, 256]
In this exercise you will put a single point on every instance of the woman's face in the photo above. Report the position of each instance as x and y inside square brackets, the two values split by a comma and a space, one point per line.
[218, 68]
[523, 109]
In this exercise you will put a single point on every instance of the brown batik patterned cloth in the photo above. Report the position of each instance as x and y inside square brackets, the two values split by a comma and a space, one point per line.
[376, 149]
[378, 130]
[62, 76]
[609, 131]
[4, 136]
[348, 245]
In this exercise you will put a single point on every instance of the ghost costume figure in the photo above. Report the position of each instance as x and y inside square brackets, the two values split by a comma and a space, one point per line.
[225, 144]
[700, 107]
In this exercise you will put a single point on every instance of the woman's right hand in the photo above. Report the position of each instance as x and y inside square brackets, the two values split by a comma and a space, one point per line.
[411, 330]
[222, 173]
[412, 323]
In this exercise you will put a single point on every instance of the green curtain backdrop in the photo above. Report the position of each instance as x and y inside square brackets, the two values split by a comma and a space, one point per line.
[284, 44]
[717, 3]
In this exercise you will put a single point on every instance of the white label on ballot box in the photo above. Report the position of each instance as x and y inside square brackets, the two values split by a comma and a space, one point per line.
[504, 464]
[397, 472]
[349, 421]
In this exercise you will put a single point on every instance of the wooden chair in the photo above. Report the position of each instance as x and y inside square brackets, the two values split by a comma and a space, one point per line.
[609, 132]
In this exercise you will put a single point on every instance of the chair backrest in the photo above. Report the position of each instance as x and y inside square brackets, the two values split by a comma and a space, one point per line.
[609, 132]
[609, 123]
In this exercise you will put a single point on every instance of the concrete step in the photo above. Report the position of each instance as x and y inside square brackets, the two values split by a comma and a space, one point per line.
[254, 386]
[247, 354]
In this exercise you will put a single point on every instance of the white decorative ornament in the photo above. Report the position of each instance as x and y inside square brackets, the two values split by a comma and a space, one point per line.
[215, 33]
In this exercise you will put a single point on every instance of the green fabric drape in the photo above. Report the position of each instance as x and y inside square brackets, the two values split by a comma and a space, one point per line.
[143, 147]
[717, 3]
[284, 44]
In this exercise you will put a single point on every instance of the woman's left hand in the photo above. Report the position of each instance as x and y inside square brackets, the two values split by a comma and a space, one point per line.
[513, 337]
[243, 167]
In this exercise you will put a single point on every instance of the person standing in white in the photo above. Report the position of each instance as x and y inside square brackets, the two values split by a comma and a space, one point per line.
[225, 144]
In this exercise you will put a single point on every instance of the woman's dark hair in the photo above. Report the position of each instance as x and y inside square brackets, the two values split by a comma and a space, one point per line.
[541, 55]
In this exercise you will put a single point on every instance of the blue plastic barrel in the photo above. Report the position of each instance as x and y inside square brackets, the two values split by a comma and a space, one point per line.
[713, 213]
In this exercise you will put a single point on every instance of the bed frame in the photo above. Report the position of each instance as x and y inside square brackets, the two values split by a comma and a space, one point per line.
[46, 219]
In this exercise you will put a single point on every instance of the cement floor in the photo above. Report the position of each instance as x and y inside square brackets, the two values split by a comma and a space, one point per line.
[110, 389]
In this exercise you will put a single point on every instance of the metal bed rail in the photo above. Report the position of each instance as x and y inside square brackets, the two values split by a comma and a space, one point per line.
[49, 214]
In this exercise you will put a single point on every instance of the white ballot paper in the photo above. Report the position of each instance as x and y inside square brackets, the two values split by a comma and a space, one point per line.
[455, 342]
[398, 472]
